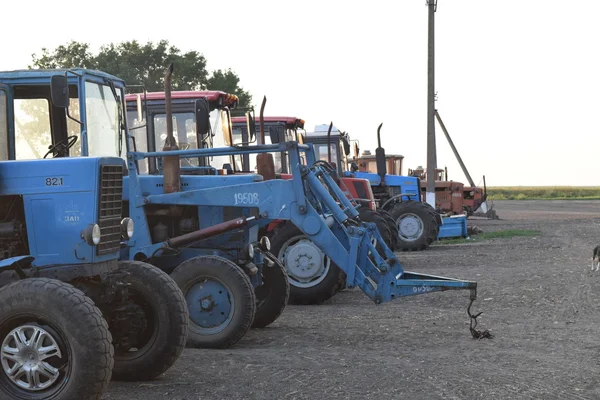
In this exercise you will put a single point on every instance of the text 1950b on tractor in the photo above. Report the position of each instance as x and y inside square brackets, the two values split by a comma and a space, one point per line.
[311, 200]
[72, 315]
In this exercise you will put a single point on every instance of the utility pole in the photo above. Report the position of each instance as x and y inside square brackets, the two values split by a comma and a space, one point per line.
[431, 151]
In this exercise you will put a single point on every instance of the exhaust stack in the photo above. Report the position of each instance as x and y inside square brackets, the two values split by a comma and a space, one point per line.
[171, 170]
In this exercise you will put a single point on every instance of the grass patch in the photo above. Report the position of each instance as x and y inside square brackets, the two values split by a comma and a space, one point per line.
[505, 234]
[544, 193]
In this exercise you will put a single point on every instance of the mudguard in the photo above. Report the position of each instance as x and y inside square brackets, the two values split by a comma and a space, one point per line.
[20, 261]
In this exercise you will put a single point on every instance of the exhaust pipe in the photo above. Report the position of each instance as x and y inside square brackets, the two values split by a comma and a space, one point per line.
[171, 170]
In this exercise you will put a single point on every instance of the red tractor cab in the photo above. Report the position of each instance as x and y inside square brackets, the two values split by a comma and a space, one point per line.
[211, 107]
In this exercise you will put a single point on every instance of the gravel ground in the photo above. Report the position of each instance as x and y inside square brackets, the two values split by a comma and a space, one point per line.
[539, 299]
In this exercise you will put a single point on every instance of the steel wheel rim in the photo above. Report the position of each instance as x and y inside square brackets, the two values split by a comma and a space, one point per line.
[410, 227]
[211, 305]
[24, 354]
[296, 276]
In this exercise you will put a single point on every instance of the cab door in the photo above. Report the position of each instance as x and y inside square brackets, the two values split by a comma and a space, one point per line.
[7, 150]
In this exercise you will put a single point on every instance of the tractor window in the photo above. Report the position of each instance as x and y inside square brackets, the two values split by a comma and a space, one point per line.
[3, 127]
[32, 128]
[184, 131]
[321, 150]
[140, 138]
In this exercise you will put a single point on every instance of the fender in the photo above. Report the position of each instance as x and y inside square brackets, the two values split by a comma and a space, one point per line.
[396, 197]
[16, 263]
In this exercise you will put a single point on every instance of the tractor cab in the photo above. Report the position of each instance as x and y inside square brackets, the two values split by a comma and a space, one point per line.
[36, 126]
[210, 107]
[277, 130]
[367, 162]
[339, 150]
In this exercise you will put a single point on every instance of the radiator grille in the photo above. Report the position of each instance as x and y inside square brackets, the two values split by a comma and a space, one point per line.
[110, 210]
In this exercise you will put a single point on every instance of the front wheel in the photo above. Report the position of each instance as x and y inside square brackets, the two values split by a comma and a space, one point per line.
[157, 324]
[220, 299]
[416, 224]
[55, 344]
[313, 277]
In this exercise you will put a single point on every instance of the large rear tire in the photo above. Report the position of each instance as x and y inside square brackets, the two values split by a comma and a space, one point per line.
[55, 344]
[162, 316]
[416, 224]
[220, 299]
[313, 277]
[392, 225]
[368, 215]
[273, 295]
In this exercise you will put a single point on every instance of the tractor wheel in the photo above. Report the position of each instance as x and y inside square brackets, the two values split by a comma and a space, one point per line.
[158, 324]
[392, 225]
[220, 300]
[368, 215]
[273, 295]
[55, 344]
[416, 224]
[313, 277]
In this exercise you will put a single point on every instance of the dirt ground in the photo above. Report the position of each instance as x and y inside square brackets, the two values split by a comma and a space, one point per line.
[539, 298]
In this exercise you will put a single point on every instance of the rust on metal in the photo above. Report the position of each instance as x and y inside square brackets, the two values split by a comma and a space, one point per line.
[265, 165]
[171, 172]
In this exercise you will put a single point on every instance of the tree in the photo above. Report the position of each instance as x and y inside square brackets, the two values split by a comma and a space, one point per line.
[145, 64]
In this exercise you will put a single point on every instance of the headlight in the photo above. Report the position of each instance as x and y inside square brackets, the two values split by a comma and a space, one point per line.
[127, 228]
[265, 243]
[248, 251]
[91, 234]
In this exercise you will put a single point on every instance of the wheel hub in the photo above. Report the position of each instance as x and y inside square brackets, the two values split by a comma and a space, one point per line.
[410, 227]
[25, 355]
[210, 305]
[304, 261]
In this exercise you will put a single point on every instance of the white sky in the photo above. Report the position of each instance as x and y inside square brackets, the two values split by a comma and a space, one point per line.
[517, 80]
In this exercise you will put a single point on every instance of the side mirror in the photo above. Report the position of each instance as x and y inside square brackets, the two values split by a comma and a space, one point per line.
[250, 126]
[276, 134]
[346, 145]
[202, 118]
[59, 91]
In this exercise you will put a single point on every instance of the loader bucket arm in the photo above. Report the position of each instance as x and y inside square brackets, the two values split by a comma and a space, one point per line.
[313, 202]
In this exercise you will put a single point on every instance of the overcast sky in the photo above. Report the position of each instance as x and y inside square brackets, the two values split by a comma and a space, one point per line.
[517, 80]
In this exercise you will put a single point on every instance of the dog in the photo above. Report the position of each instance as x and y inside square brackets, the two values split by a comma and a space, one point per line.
[596, 258]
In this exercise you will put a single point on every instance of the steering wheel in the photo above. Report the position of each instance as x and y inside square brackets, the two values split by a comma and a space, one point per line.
[60, 147]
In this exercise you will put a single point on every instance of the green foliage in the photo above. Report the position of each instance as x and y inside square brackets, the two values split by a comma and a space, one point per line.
[144, 64]
[544, 193]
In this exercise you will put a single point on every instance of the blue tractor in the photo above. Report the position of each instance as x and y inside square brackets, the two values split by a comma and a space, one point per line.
[414, 223]
[204, 228]
[72, 315]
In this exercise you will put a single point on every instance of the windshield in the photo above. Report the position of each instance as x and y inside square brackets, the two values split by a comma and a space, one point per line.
[102, 120]
[184, 131]
[321, 153]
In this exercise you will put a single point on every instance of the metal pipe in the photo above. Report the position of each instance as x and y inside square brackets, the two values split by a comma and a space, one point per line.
[214, 230]
[451, 143]
[329, 142]
[171, 173]
[431, 150]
